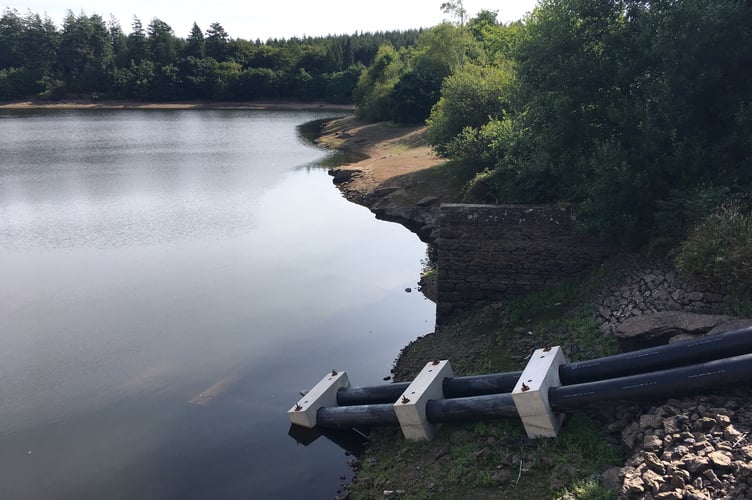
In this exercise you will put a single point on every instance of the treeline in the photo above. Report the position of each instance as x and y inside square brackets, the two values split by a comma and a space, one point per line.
[92, 58]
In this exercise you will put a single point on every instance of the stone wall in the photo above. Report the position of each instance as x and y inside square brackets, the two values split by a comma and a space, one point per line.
[491, 252]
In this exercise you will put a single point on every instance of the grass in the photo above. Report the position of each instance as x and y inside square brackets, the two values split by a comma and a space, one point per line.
[490, 460]
[719, 249]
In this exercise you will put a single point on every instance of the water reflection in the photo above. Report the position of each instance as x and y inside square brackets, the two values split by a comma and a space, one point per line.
[352, 441]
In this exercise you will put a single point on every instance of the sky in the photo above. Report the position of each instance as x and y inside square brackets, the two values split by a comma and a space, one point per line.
[262, 20]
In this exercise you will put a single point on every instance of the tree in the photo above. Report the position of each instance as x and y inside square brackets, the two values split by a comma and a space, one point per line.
[480, 24]
[373, 92]
[39, 42]
[456, 9]
[315, 60]
[199, 77]
[195, 43]
[11, 34]
[137, 46]
[413, 96]
[119, 43]
[85, 53]
[442, 49]
[161, 42]
[216, 42]
[470, 98]
[626, 108]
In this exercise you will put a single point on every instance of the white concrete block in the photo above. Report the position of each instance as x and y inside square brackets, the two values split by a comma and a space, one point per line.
[530, 395]
[411, 406]
[323, 394]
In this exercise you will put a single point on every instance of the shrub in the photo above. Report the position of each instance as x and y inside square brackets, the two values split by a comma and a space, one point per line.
[719, 248]
[470, 98]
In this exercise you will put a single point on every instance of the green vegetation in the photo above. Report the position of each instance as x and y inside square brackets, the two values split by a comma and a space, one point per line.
[613, 106]
[720, 249]
[404, 85]
[490, 460]
[91, 58]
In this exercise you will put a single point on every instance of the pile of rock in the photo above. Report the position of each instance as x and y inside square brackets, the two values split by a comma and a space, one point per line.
[693, 448]
[651, 289]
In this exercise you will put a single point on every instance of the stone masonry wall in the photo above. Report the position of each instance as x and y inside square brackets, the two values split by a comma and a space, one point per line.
[491, 252]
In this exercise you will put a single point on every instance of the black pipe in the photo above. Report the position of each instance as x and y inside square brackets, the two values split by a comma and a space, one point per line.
[341, 417]
[453, 387]
[682, 353]
[377, 394]
[478, 407]
[480, 385]
[620, 365]
[666, 383]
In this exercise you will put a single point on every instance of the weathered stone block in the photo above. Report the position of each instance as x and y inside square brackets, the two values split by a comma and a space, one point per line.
[491, 252]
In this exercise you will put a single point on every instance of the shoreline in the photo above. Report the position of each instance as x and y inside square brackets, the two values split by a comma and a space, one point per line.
[123, 104]
[387, 152]
[391, 175]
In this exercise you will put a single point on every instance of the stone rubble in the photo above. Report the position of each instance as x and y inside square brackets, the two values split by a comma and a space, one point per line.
[651, 289]
[691, 448]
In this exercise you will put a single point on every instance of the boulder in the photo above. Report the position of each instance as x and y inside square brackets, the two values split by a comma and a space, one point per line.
[342, 175]
[654, 329]
[731, 326]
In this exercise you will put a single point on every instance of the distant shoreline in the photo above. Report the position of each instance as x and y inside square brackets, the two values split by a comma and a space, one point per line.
[118, 104]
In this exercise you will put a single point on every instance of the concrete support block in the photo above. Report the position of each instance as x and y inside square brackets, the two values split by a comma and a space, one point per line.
[530, 395]
[410, 408]
[322, 394]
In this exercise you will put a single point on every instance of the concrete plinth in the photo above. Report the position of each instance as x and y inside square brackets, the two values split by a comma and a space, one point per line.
[530, 395]
[322, 394]
[410, 408]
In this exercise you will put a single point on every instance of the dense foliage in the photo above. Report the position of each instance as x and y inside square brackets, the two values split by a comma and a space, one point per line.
[92, 58]
[637, 111]
[404, 85]
[719, 248]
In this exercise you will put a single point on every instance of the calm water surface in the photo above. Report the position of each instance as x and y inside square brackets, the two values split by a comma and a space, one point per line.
[169, 281]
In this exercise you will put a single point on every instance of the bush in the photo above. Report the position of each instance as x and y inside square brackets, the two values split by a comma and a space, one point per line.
[470, 98]
[373, 92]
[719, 249]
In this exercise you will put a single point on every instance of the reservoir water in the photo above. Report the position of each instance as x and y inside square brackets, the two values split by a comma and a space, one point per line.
[169, 282]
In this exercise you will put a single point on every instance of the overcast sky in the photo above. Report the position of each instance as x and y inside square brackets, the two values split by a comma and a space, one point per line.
[275, 18]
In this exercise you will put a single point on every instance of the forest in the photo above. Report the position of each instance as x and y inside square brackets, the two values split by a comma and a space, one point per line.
[638, 113]
[91, 58]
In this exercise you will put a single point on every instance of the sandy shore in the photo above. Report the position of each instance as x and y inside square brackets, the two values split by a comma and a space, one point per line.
[84, 104]
[391, 152]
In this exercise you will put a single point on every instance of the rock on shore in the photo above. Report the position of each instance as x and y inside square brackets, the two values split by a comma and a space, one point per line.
[692, 448]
